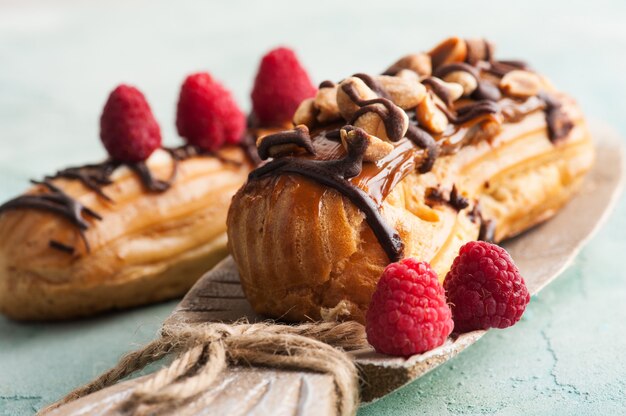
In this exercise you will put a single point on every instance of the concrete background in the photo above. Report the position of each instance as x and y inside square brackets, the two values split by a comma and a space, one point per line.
[59, 60]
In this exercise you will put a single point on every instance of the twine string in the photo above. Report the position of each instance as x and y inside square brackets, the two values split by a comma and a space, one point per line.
[203, 351]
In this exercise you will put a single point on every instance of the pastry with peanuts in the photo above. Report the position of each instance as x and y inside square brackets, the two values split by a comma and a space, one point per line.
[146, 223]
[442, 148]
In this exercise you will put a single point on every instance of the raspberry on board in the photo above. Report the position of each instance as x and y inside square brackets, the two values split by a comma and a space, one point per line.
[207, 115]
[281, 84]
[128, 129]
[408, 313]
[485, 288]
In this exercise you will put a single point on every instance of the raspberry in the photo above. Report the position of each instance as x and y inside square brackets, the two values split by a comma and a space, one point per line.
[408, 313]
[280, 86]
[485, 288]
[207, 114]
[128, 129]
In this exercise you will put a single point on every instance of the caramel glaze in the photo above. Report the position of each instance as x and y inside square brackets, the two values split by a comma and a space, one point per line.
[374, 181]
[95, 176]
[336, 174]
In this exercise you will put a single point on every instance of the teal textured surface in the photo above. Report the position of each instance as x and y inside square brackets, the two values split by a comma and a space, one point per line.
[58, 63]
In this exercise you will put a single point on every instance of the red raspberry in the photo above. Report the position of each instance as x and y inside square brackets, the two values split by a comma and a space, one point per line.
[207, 114]
[408, 313]
[128, 129]
[280, 86]
[485, 288]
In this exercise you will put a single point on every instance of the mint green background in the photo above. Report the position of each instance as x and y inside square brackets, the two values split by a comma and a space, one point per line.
[59, 60]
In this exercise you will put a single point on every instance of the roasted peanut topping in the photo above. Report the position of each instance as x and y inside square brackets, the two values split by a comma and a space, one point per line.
[347, 107]
[376, 148]
[478, 49]
[418, 62]
[466, 80]
[404, 93]
[326, 104]
[306, 113]
[449, 51]
[431, 117]
[520, 84]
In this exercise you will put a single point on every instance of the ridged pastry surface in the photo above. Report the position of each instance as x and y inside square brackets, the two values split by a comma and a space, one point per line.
[147, 246]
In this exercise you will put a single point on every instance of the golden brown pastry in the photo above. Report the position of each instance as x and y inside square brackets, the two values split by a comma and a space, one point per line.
[145, 224]
[74, 245]
[444, 148]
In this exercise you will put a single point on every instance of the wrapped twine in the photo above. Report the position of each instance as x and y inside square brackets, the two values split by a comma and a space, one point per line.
[203, 351]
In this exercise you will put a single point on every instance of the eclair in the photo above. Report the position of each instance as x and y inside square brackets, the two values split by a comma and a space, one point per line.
[442, 148]
[146, 223]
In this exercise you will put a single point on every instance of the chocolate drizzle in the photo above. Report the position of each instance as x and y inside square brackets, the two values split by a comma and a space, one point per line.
[298, 136]
[57, 202]
[373, 182]
[487, 229]
[485, 90]
[557, 120]
[435, 196]
[334, 174]
[372, 85]
[422, 139]
[392, 115]
[95, 177]
[61, 247]
[501, 68]
[471, 111]
[248, 144]
[149, 181]
[438, 87]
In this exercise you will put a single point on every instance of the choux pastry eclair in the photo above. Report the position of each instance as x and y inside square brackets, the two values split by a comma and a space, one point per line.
[443, 148]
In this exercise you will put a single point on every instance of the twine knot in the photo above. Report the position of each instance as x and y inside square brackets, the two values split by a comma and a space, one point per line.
[203, 351]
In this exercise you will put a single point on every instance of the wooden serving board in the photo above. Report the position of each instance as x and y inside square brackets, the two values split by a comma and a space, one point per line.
[541, 254]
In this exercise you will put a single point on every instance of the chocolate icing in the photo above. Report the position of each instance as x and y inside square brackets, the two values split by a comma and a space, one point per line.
[326, 84]
[392, 115]
[298, 136]
[334, 174]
